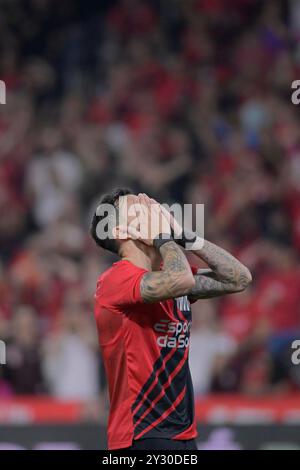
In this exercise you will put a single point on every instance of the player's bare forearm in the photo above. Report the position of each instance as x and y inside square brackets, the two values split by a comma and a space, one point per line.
[176, 278]
[226, 275]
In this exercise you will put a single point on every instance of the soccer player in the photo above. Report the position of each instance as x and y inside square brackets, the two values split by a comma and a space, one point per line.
[143, 317]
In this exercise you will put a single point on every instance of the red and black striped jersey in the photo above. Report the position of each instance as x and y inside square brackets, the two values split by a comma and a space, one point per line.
[145, 351]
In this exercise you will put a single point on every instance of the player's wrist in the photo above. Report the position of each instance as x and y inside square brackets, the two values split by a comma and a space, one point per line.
[186, 239]
[161, 239]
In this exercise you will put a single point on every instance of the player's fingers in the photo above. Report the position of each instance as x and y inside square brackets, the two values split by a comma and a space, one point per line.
[165, 212]
[146, 220]
[139, 207]
[148, 199]
[128, 232]
[133, 213]
[166, 219]
[159, 218]
[143, 209]
[143, 217]
[144, 200]
[153, 217]
[172, 221]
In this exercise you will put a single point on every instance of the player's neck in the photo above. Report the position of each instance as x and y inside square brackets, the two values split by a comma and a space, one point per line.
[145, 258]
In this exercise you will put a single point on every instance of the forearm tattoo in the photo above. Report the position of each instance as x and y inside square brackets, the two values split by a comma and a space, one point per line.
[172, 280]
[227, 274]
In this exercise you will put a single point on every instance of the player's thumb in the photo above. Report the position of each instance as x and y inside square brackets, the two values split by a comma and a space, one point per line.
[128, 232]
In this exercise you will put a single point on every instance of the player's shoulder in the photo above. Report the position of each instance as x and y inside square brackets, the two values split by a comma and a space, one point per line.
[107, 279]
[117, 273]
[118, 284]
[116, 269]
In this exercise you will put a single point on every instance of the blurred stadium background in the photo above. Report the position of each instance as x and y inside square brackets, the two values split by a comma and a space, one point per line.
[189, 101]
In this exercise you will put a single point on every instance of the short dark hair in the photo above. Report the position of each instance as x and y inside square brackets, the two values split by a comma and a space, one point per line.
[108, 198]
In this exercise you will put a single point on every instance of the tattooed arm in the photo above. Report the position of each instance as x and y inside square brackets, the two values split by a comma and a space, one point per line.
[176, 278]
[225, 276]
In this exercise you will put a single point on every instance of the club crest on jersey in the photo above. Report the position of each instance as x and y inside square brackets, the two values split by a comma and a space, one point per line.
[183, 304]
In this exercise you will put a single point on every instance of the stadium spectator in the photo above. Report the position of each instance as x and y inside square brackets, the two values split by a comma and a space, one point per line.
[23, 369]
[71, 363]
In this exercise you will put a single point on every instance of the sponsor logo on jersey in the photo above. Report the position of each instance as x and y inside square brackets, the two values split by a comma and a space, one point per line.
[175, 334]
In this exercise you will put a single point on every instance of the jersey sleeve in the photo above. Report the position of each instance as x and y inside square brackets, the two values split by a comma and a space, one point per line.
[194, 269]
[121, 287]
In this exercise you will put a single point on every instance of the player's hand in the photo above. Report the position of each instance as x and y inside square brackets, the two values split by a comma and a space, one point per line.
[175, 226]
[151, 222]
[187, 239]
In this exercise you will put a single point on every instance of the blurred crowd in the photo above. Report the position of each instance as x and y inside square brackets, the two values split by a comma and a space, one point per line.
[188, 101]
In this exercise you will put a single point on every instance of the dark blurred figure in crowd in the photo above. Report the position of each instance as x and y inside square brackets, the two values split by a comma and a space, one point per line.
[23, 368]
